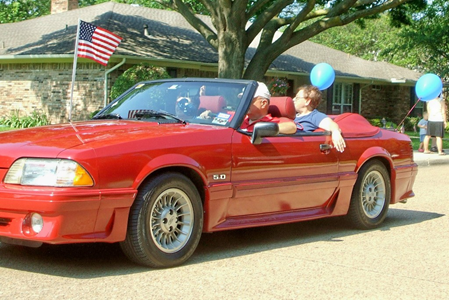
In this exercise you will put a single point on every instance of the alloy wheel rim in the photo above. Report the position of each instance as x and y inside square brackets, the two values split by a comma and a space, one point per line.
[171, 220]
[373, 194]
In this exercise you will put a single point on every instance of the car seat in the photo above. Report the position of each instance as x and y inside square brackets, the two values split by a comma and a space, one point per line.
[215, 104]
[282, 107]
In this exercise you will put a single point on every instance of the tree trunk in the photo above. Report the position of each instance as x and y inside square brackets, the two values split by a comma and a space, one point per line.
[259, 64]
[231, 47]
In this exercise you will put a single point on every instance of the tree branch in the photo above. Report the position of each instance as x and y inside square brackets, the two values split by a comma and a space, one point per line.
[341, 7]
[195, 22]
[256, 7]
[262, 20]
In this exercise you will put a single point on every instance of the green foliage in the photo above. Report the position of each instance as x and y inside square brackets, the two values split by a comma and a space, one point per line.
[410, 123]
[422, 45]
[92, 114]
[197, 6]
[135, 74]
[367, 41]
[378, 123]
[16, 121]
[20, 10]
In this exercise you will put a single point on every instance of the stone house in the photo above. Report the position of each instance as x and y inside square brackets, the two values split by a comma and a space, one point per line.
[36, 63]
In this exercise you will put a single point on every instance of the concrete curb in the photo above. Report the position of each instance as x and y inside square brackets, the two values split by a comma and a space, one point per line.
[431, 159]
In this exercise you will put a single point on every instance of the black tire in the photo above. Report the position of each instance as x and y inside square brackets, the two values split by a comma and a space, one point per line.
[165, 222]
[371, 196]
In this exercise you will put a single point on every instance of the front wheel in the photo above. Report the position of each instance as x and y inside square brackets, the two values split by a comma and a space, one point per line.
[371, 196]
[165, 222]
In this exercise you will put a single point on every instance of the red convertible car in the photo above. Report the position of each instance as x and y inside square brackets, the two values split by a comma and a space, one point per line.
[167, 161]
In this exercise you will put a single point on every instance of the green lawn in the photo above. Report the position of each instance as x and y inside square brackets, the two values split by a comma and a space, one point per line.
[414, 136]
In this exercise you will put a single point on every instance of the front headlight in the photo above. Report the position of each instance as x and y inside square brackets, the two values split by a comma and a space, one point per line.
[48, 172]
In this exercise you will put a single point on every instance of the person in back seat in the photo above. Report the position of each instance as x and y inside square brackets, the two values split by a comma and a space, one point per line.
[308, 118]
[258, 112]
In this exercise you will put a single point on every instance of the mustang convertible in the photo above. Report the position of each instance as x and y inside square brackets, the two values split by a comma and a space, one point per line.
[167, 161]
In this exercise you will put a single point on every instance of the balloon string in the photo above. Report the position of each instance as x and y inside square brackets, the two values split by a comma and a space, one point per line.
[397, 129]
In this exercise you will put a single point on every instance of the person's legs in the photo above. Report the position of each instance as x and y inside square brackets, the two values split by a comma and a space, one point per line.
[421, 142]
[440, 145]
[426, 144]
[434, 147]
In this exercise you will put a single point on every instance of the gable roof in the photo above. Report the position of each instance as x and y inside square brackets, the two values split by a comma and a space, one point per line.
[170, 38]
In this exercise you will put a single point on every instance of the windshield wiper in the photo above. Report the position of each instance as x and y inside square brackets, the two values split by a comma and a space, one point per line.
[108, 116]
[156, 114]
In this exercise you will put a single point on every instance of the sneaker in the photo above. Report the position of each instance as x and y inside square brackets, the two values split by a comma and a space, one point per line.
[434, 149]
[420, 150]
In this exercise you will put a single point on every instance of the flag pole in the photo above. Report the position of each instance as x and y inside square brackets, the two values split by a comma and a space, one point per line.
[75, 60]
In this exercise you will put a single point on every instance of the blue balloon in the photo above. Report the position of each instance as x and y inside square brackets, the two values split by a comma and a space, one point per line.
[428, 87]
[322, 76]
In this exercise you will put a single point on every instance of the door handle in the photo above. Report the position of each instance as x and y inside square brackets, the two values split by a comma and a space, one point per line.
[325, 147]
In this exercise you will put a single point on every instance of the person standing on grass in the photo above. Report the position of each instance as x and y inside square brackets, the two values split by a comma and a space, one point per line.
[436, 110]
[422, 124]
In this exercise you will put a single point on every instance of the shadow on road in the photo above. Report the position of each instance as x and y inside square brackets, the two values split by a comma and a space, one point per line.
[85, 261]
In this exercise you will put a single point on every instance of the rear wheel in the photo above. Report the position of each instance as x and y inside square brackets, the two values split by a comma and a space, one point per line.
[165, 222]
[371, 196]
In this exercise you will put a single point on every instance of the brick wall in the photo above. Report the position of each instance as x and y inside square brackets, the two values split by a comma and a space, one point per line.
[58, 6]
[392, 102]
[45, 88]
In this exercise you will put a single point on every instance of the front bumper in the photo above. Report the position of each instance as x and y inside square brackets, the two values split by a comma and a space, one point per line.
[71, 215]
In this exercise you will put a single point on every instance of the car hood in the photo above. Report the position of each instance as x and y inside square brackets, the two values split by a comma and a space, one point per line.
[50, 141]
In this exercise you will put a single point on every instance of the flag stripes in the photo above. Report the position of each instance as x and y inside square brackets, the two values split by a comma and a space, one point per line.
[96, 43]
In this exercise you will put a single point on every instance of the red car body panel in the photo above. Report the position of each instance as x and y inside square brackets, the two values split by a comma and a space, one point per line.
[284, 179]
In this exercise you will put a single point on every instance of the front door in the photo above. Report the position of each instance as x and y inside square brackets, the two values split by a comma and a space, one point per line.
[283, 173]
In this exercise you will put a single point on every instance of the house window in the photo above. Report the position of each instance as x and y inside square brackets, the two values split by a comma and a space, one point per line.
[343, 98]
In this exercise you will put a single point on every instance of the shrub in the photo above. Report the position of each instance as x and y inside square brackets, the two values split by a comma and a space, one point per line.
[15, 121]
[378, 123]
[136, 74]
[410, 123]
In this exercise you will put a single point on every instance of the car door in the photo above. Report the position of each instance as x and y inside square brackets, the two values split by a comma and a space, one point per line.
[283, 173]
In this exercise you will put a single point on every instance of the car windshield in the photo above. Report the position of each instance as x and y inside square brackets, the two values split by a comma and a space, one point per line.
[201, 102]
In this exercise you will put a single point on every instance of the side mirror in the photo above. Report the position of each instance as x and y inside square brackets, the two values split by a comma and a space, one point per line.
[263, 129]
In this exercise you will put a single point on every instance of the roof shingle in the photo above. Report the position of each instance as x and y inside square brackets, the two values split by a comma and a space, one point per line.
[171, 37]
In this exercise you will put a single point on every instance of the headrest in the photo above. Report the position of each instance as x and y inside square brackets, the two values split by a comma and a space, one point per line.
[213, 103]
[282, 107]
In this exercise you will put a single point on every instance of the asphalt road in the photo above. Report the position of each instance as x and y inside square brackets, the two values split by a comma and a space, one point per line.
[407, 258]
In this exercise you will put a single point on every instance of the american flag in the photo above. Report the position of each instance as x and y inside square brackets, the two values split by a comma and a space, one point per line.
[96, 43]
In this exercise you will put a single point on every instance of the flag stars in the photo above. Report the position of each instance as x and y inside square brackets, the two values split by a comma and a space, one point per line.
[86, 31]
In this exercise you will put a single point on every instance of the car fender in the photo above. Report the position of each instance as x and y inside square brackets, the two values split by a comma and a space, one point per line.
[375, 152]
[169, 161]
